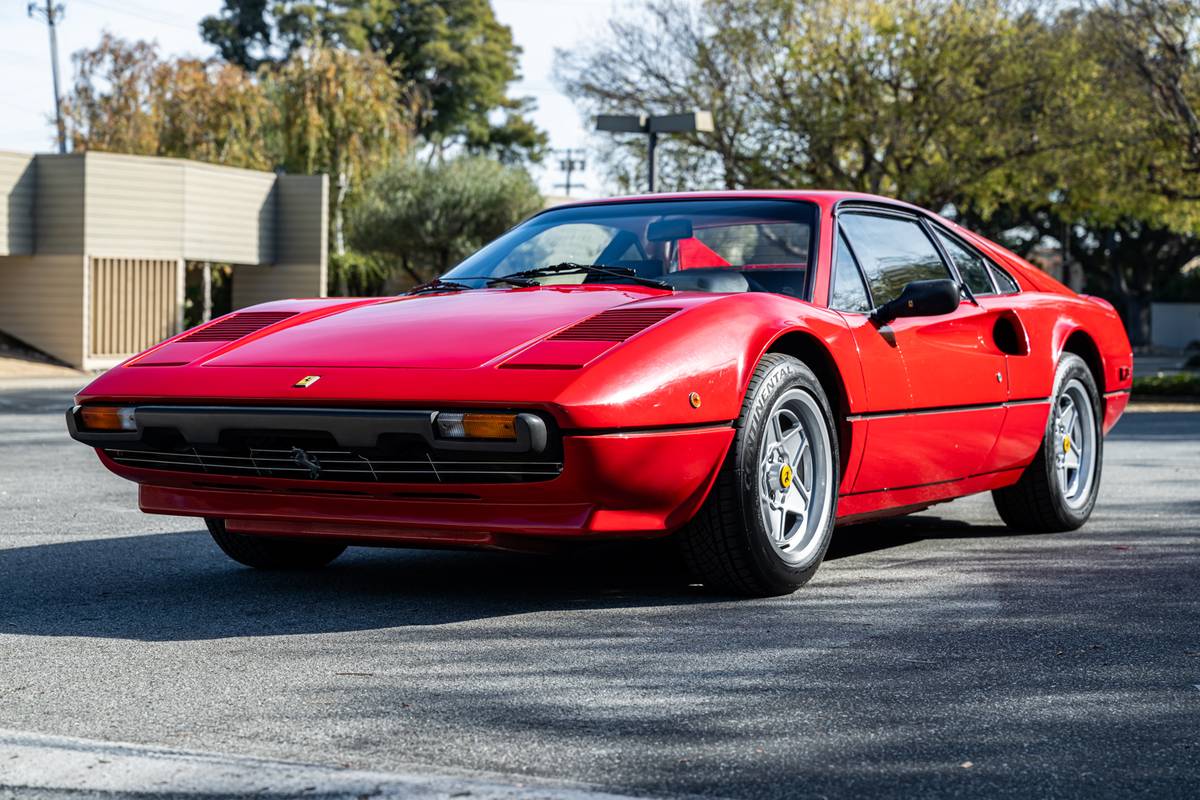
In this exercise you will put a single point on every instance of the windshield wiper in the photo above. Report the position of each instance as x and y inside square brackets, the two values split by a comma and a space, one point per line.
[511, 280]
[438, 285]
[590, 269]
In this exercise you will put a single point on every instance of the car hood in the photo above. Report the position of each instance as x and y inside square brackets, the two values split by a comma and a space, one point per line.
[460, 330]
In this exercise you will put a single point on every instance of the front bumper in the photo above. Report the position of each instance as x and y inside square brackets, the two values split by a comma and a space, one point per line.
[613, 485]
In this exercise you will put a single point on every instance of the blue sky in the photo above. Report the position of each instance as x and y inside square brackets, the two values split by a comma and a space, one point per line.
[26, 97]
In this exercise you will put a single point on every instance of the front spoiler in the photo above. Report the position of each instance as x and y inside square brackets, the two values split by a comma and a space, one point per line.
[612, 486]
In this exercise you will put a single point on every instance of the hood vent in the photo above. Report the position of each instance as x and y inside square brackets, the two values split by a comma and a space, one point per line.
[237, 326]
[614, 325]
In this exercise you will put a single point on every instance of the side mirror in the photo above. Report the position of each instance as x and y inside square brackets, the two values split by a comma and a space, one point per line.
[920, 299]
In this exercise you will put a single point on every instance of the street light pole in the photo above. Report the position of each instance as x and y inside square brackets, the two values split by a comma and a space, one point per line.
[652, 145]
[690, 122]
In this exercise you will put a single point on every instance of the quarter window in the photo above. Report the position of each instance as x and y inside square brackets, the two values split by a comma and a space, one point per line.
[848, 292]
[1004, 281]
[893, 252]
[971, 265]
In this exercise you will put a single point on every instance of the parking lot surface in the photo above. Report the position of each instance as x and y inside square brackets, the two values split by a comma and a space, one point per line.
[937, 654]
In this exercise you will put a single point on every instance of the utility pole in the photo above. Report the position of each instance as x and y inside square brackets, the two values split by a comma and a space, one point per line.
[569, 164]
[52, 12]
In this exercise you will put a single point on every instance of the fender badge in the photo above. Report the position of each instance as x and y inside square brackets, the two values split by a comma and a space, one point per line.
[306, 381]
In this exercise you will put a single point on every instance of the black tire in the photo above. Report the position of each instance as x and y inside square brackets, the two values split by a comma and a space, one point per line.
[273, 552]
[1037, 503]
[726, 546]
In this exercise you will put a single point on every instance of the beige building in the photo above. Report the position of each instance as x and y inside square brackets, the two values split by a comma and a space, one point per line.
[94, 246]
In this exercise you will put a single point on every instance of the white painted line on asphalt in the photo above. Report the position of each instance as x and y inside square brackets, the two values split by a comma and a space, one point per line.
[34, 761]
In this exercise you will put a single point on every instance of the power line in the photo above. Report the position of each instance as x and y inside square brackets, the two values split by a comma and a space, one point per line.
[141, 15]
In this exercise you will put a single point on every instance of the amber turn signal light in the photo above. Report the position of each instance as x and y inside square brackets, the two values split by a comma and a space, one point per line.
[477, 426]
[107, 418]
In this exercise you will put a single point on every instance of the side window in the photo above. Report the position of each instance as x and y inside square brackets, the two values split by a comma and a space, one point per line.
[971, 265]
[893, 251]
[1004, 281]
[847, 292]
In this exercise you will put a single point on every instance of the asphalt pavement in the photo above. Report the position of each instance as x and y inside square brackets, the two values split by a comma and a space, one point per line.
[937, 655]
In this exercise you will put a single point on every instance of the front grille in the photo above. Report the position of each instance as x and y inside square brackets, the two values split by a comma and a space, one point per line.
[342, 465]
[314, 454]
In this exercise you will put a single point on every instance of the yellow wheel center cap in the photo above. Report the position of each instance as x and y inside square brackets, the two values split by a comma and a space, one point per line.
[785, 476]
[1067, 443]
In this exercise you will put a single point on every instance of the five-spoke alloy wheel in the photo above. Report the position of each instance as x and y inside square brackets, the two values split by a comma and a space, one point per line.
[767, 521]
[1074, 443]
[793, 491]
[1058, 489]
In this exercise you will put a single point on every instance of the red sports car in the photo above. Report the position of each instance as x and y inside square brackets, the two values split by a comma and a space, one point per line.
[742, 370]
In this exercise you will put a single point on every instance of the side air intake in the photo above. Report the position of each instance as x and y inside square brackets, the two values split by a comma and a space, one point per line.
[237, 326]
[615, 325]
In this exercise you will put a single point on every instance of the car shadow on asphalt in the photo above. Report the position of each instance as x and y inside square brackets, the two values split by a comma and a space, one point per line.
[179, 586]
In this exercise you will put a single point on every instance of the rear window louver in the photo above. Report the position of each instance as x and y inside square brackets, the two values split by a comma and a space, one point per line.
[615, 325]
[237, 326]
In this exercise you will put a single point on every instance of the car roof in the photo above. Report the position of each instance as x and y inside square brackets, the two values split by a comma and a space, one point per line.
[822, 197]
[826, 199]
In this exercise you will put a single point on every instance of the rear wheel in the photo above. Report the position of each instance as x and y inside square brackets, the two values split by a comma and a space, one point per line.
[270, 552]
[767, 521]
[1058, 491]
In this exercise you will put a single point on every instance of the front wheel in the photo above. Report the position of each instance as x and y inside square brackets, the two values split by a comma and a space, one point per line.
[768, 520]
[270, 552]
[1058, 491]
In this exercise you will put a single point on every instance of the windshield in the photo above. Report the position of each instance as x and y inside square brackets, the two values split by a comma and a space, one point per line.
[769, 242]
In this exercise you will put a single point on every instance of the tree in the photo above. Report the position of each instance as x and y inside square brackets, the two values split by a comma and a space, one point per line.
[240, 33]
[453, 55]
[1125, 208]
[127, 99]
[320, 110]
[1015, 118]
[922, 100]
[337, 112]
[423, 218]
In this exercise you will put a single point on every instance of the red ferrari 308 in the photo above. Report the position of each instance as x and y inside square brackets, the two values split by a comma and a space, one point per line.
[743, 371]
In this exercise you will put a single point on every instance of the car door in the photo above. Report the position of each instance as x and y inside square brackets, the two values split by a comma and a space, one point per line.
[944, 421]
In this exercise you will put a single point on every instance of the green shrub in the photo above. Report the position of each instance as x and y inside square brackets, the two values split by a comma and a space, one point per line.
[1181, 384]
[423, 218]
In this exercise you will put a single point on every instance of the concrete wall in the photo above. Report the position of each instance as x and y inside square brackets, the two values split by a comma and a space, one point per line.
[302, 231]
[134, 206]
[173, 208]
[1174, 324]
[230, 214]
[17, 192]
[43, 303]
[140, 218]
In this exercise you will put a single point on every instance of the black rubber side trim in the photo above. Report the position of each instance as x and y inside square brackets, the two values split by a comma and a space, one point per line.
[908, 412]
[933, 483]
[695, 426]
